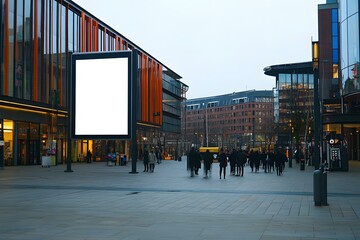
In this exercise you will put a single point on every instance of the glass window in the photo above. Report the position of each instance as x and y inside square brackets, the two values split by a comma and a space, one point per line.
[282, 81]
[11, 18]
[344, 43]
[294, 81]
[353, 39]
[27, 52]
[334, 15]
[334, 27]
[352, 6]
[335, 40]
[335, 55]
[301, 81]
[343, 10]
[347, 81]
[19, 57]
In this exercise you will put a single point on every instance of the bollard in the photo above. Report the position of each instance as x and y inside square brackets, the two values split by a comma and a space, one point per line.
[317, 187]
[302, 164]
[324, 188]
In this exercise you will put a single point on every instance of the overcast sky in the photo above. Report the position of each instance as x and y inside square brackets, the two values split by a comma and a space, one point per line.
[218, 47]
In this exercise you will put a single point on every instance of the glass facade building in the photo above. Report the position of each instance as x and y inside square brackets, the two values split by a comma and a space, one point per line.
[37, 39]
[339, 78]
[350, 44]
[293, 103]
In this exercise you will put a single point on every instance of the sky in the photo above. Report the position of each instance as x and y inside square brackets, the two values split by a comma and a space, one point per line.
[217, 47]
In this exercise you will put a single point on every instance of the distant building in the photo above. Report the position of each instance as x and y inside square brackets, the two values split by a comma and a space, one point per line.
[293, 103]
[240, 119]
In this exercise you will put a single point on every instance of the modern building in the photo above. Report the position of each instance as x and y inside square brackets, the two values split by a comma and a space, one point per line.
[239, 119]
[37, 39]
[334, 70]
[293, 104]
[339, 88]
[350, 62]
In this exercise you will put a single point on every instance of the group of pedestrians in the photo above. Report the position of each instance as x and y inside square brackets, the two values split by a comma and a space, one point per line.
[237, 160]
[150, 158]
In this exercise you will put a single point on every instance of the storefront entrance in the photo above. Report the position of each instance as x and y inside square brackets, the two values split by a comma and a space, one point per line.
[28, 152]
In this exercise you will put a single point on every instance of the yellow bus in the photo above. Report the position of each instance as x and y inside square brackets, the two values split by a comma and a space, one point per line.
[214, 150]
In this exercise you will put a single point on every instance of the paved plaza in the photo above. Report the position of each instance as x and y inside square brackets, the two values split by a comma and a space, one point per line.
[100, 202]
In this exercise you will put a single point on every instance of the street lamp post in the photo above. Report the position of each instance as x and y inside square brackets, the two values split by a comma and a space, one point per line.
[196, 140]
[206, 125]
[316, 106]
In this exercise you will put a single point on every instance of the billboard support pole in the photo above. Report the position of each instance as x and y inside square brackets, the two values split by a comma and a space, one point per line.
[133, 110]
[68, 160]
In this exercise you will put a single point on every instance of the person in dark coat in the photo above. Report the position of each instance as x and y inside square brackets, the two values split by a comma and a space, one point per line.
[197, 165]
[263, 157]
[88, 156]
[270, 161]
[279, 162]
[232, 160]
[257, 161]
[241, 162]
[146, 160]
[252, 160]
[191, 161]
[208, 160]
[223, 162]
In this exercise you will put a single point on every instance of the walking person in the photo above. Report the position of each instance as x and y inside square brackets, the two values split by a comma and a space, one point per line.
[158, 155]
[242, 162]
[208, 160]
[191, 161]
[238, 163]
[252, 160]
[223, 162]
[88, 156]
[146, 160]
[270, 161]
[257, 161]
[152, 160]
[279, 162]
[264, 161]
[197, 165]
[232, 160]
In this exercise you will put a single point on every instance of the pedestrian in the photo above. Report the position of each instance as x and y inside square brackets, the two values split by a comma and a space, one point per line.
[158, 155]
[197, 165]
[146, 160]
[257, 161]
[263, 157]
[223, 162]
[269, 161]
[232, 160]
[241, 163]
[252, 160]
[88, 156]
[152, 160]
[208, 160]
[191, 161]
[279, 162]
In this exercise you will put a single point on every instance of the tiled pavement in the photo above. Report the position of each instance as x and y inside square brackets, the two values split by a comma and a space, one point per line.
[100, 202]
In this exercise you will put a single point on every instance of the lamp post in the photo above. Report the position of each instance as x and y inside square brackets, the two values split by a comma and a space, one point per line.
[196, 140]
[315, 46]
[206, 125]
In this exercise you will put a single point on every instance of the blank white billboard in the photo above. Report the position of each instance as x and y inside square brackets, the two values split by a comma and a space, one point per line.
[101, 95]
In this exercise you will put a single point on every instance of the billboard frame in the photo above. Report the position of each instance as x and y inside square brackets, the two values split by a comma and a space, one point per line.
[80, 57]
